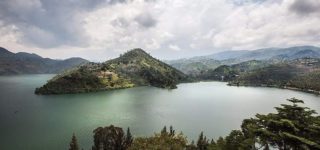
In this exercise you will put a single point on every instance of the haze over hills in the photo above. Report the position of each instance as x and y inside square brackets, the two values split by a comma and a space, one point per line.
[195, 65]
[295, 67]
[134, 68]
[264, 67]
[26, 63]
[268, 53]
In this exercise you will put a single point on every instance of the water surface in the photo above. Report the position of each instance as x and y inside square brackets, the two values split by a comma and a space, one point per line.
[29, 121]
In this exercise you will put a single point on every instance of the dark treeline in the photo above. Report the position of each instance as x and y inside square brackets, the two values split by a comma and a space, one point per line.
[292, 127]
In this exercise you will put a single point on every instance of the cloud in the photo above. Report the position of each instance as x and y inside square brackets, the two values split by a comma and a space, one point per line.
[49, 23]
[175, 47]
[304, 7]
[166, 28]
[145, 20]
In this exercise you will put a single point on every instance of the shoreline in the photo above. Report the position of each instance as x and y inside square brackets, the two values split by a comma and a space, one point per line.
[279, 87]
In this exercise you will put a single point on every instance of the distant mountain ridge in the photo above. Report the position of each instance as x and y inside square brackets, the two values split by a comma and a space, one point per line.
[26, 63]
[196, 65]
[268, 53]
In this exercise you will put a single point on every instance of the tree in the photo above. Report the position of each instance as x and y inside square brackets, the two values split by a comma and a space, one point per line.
[172, 132]
[129, 138]
[164, 131]
[221, 143]
[234, 140]
[292, 127]
[111, 138]
[160, 141]
[202, 143]
[74, 143]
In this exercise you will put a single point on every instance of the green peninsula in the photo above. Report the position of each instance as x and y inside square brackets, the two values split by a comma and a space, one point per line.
[133, 68]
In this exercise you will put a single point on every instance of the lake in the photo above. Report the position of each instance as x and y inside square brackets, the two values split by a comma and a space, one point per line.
[29, 121]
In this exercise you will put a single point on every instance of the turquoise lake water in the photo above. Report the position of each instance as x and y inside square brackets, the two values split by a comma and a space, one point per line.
[33, 122]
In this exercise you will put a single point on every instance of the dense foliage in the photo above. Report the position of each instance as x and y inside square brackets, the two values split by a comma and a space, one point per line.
[222, 73]
[274, 75]
[111, 138]
[165, 140]
[134, 68]
[300, 74]
[292, 127]
[309, 82]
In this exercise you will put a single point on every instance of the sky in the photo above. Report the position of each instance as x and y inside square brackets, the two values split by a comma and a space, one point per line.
[168, 29]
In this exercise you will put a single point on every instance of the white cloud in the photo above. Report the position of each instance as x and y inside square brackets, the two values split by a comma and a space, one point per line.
[166, 27]
[175, 47]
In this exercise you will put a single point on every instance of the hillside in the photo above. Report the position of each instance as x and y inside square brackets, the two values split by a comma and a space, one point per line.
[197, 65]
[300, 74]
[193, 66]
[228, 73]
[134, 68]
[26, 63]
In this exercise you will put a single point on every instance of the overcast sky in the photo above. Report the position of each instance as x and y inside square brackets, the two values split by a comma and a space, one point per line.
[101, 29]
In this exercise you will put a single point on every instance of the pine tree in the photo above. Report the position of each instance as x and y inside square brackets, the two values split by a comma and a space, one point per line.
[74, 143]
[202, 143]
[129, 138]
[292, 127]
[164, 131]
[172, 132]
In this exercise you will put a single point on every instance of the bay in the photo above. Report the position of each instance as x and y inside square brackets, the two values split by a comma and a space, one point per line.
[29, 121]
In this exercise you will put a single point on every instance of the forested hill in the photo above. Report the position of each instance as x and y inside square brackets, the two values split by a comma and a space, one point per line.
[300, 74]
[26, 63]
[134, 68]
[197, 65]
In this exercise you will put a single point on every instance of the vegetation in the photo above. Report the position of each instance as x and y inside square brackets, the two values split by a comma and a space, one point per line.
[292, 127]
[308, 82]
[196, 66]
[74, 143]
[111, 138]
[229, 73]
[274, 75]
[165, 140]
[134, 68]
[300, 74]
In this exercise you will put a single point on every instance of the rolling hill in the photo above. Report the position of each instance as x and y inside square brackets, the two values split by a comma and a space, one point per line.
[300, 74]
[26, 63]
[134, 68]
[197, 65]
